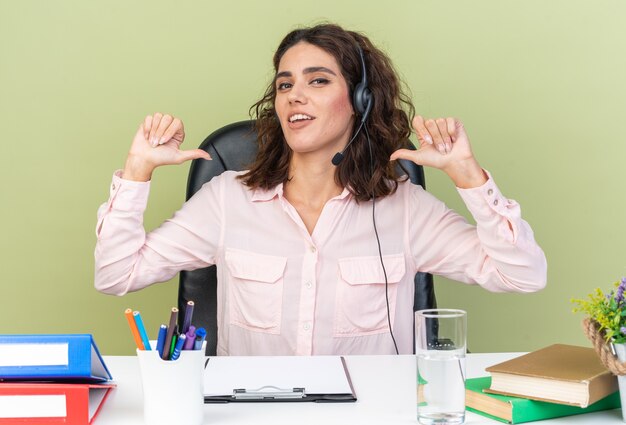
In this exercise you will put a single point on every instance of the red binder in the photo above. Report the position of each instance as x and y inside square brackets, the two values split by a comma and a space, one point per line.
[51, 403]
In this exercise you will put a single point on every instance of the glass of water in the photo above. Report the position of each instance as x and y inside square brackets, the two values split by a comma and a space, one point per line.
[440, 345]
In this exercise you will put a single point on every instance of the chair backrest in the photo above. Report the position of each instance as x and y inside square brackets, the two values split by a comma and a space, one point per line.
[234, 147]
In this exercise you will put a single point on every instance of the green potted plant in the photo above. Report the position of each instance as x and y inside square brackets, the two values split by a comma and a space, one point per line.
[605, 326]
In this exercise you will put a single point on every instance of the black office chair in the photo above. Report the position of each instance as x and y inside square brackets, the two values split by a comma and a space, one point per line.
[234, 147]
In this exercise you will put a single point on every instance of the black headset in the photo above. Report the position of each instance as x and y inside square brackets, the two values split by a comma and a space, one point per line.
[362, 102]
[362, 99]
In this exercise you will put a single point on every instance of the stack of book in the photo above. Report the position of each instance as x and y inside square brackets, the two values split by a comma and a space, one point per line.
[51, 379]
[559, 380]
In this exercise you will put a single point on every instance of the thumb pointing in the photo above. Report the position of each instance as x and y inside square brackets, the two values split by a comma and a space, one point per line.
[194, 154]
[411, 155]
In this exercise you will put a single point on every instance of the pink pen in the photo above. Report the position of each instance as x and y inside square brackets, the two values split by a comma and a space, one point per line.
[191, 337]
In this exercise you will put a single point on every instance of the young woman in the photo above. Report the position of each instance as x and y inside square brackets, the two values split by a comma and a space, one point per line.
[293, 239]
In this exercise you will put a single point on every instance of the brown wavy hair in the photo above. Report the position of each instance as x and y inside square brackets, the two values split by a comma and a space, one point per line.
[388, 123]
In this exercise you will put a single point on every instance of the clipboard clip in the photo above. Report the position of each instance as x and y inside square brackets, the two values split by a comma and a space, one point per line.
[268, 392]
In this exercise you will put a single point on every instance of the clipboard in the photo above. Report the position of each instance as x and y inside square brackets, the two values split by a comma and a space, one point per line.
[320, 379]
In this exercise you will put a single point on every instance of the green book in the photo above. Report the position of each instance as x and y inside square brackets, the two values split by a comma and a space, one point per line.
[516, 410]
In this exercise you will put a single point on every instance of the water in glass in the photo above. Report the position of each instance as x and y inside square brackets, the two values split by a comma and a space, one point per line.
[441, 387]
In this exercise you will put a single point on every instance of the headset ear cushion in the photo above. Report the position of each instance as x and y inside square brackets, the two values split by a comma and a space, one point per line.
[367, 98]
[360, 98]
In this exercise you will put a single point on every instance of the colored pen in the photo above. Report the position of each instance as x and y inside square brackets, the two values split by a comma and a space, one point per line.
[173, 345]
[179, 346]
[170, 333]
[142, 330]
[161, 339]
[188, 315]
[133, 328]
[200, 336]
[191, 338]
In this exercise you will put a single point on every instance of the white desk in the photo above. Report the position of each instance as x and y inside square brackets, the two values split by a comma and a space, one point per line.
[385, 387]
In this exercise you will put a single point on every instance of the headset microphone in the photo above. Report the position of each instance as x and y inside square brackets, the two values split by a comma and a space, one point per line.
[362, 102]
[337, 158]
[339, 155]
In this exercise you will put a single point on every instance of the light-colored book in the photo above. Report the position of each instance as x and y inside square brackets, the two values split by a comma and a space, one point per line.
[559, 373]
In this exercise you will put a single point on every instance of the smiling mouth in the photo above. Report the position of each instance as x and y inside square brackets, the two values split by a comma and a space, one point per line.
[300, 117]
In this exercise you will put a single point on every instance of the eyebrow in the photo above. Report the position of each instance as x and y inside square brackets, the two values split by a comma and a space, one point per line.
[308, 70]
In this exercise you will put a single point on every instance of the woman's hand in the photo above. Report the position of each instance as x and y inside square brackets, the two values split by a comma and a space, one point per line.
[157, 142]
[443, 144]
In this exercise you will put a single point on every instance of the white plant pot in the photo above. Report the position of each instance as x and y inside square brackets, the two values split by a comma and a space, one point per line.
[620, 350]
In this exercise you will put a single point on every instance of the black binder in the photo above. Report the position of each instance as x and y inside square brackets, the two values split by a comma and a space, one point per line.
[234, 371]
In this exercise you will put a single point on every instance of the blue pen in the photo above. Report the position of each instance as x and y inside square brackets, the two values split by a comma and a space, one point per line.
[179, 347]
[142, 330]
[200, 336]
[161, 340]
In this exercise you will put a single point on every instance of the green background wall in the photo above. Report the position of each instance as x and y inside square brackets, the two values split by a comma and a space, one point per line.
[539, 85]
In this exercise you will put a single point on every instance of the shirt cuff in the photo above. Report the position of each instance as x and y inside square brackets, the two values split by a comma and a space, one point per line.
[483, 201]
[128, 195]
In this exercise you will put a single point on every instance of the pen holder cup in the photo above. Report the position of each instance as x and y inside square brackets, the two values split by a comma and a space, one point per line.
[173, 391]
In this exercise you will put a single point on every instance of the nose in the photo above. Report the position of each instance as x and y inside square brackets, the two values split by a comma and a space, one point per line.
[297, 94]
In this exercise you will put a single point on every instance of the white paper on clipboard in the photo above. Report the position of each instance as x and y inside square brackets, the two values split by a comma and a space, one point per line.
[315, 374]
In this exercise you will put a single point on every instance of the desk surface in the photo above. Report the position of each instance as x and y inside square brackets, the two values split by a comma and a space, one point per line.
[385, 387]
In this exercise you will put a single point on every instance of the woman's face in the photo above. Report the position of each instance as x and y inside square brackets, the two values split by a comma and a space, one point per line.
[312, 101]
